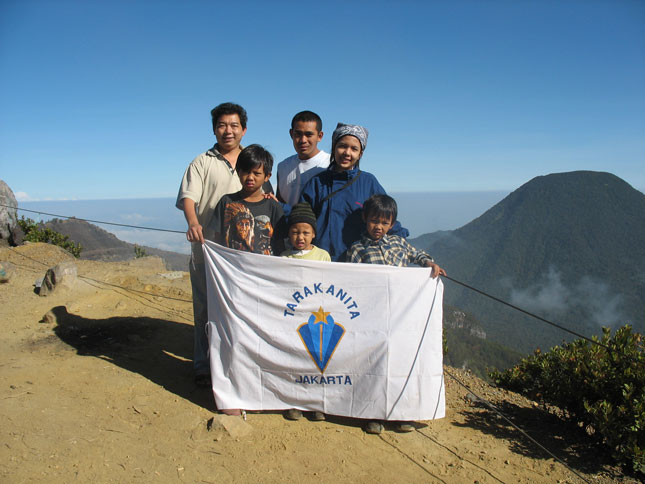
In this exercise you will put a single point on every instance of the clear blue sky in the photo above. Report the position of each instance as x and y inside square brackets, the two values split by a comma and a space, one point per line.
[111, 99]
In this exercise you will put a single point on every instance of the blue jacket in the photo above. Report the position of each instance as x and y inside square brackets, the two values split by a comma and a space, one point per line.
[339, 218]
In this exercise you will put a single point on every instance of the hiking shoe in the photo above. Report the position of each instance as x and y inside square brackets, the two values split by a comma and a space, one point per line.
[317, 416]
[405, 427]
[293, 414]
[203, 380]
[373, 428]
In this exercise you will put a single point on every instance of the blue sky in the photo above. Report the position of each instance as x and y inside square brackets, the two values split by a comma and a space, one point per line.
[111, 99]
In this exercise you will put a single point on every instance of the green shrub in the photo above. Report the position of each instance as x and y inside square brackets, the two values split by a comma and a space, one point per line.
[603, 388]
[35, 232]
[139, 251]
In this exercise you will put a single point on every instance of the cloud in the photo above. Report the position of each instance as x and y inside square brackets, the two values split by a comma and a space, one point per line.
[158, 240]
[603, 305]
[23, 197]
[134, 218]
[552, 297]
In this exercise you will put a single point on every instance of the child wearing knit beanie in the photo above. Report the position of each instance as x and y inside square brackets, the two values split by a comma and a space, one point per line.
[302, 231]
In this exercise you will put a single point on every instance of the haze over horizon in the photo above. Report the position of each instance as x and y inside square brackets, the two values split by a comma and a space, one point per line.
[112, 100]
[453, 211]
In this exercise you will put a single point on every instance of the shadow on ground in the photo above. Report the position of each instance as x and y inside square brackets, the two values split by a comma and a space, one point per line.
[562, 438]
[158, 349]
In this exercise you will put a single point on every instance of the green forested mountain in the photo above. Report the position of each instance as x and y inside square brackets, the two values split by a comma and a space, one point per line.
[567, 246]
[467, 347]
[98, 244]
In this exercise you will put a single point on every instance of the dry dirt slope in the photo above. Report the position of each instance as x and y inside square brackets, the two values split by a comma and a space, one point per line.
[106, 395]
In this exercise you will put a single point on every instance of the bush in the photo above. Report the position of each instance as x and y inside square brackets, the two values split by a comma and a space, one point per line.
[603, 388]
[139, 252]
[35, 232]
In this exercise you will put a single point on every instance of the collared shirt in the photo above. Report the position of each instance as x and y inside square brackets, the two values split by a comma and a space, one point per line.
[315, 253]
[390, 250]
[208, 177]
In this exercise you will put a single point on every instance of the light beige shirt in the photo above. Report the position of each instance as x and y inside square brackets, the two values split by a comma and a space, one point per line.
[205, 181]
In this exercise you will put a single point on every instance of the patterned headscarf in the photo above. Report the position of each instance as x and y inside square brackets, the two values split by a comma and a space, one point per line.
[351, 129]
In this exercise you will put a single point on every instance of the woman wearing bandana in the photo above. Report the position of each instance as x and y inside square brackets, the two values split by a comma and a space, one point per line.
[337, 194]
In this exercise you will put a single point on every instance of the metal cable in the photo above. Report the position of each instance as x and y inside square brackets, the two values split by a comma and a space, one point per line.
[499, 413]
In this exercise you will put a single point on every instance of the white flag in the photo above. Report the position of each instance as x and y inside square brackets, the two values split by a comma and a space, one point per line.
[357, 340]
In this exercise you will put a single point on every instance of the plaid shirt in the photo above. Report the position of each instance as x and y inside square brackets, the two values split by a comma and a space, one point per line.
[391, 250]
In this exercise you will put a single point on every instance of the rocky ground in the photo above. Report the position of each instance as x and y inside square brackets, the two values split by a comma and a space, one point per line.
[96, 386]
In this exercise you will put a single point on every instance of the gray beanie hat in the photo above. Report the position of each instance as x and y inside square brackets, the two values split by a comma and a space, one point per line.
[351, 129]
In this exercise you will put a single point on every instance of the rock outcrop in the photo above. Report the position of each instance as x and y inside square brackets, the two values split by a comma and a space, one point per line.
[10, 232]
[64, 273]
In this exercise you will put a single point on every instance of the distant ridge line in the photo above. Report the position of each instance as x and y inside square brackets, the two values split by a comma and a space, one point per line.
[562, 328]
[95, 221]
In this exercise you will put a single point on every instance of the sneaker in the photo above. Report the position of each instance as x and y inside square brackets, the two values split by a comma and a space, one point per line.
[373, 427]
[405, 427]
[317, 416]
[293, 414]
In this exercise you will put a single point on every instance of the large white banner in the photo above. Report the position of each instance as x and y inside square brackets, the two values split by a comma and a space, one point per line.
[357, 340]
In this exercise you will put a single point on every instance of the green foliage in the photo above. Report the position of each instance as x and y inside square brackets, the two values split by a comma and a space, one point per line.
[139, 252]
[35, 232]
[603, 388]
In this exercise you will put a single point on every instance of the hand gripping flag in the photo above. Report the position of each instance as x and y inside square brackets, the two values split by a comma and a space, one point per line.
[355, 340]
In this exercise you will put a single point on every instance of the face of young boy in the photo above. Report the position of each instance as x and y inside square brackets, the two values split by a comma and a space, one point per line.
[301, 235]
[378, 225]
[347, 152]
[305, 137]
[252, 180]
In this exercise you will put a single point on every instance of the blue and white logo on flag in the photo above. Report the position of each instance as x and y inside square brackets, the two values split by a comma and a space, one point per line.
[321, 335]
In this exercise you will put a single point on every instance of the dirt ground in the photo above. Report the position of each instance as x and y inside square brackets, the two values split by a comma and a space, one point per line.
[102, 391]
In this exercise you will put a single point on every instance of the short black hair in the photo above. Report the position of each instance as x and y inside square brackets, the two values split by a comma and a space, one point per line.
[253, 156]
[380, 205]
[229, 108]
[305, 117]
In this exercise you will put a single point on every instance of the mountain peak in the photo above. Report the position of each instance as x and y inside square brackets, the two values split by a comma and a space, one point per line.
[576, 210]
[572, 244]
